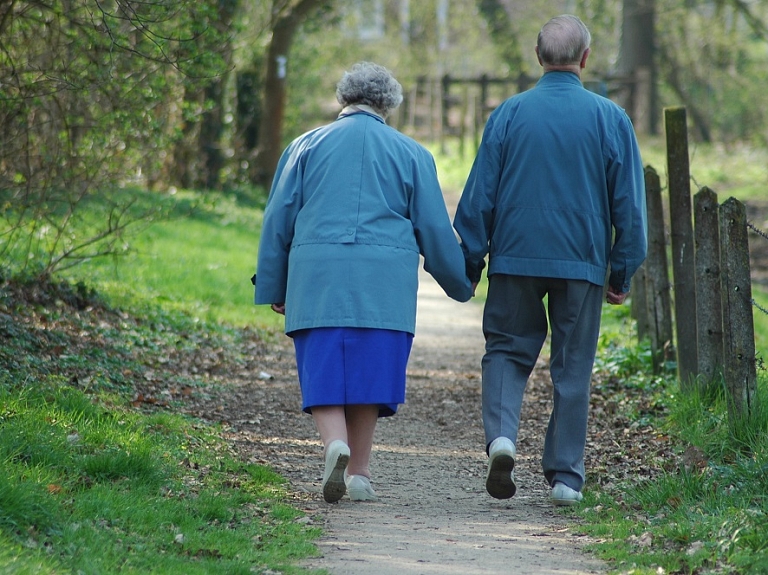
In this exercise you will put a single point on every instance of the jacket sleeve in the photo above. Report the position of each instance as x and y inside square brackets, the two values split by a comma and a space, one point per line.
[435, 236]
[626, 184]
[277, 229]
[474, 215]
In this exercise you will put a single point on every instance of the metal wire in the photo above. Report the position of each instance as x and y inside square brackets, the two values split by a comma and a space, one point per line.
[758, 231]
[763, 235]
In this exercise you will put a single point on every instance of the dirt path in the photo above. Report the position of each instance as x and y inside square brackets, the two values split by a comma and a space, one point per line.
[428, 465]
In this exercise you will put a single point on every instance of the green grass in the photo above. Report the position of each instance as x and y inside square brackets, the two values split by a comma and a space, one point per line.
[96, 477]
[738, 170]
[694, 517]
[89, 487]
[706, 508]
[199, 261]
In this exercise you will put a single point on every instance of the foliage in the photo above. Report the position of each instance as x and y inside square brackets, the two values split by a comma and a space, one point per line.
[695, 499]
[88, 106]
[706, 510]
[96, 96]
[716, 73]
[97, 475]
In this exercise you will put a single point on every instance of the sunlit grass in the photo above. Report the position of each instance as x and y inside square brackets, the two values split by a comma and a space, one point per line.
[86, 488]
[200, 262]
[738, 170]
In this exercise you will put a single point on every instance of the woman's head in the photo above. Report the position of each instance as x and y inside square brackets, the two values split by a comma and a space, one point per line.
[370, 84]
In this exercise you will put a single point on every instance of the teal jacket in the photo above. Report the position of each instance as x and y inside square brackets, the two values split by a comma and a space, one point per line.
[557, 188]
[353, 206]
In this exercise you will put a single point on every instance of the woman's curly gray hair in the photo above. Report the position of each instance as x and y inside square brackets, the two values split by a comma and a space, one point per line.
[370, 84]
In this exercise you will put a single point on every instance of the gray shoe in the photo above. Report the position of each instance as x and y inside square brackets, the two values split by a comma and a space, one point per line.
[336, 460]
[500, 481]
[563, 495]
[359, 488]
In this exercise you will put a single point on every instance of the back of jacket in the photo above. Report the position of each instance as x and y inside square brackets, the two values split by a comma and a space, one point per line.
[353, 206]
[557, 188]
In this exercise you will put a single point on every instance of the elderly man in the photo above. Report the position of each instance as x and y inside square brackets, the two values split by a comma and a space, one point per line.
[556, 195]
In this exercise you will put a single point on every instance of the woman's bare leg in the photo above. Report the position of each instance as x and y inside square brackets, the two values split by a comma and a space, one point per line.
[361, 425]
[331, 423]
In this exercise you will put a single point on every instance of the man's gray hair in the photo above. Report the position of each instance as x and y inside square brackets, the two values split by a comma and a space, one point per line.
[563, 40]
[370, 84]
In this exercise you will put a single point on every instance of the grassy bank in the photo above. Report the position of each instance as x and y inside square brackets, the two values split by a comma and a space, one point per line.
[97, 475]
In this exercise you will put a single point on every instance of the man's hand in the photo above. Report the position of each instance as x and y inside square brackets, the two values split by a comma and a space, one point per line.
[614, 297]
[474, 288]
[278, 308]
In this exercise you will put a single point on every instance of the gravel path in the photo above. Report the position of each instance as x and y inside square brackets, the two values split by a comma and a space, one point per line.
[428, 464]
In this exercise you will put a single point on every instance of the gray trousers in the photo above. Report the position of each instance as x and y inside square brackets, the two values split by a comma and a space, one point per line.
[515, 328]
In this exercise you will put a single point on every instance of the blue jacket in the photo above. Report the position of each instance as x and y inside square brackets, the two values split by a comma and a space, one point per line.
[557, 188]
[353, 206]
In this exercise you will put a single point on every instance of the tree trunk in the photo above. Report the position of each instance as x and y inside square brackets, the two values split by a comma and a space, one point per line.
[636, 63]
[672, 77]
[212, 121]
[270, 145]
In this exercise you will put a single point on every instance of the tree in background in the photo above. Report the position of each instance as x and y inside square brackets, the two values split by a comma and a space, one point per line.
[637, 63]
[200, 155]
[287, 17]
[713, 59]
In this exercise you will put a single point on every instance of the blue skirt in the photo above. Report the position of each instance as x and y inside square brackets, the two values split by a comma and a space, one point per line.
[352, 366]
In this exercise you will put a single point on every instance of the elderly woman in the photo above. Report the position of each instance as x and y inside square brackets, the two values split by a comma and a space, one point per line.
[352, 207]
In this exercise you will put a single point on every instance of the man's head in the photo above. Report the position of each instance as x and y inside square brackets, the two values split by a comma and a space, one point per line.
[563, 44]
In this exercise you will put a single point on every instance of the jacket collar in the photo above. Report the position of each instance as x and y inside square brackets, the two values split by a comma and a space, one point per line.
[360, 109]
[558, 77]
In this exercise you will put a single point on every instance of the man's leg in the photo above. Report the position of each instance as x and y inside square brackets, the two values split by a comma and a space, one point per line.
[574, 314]
[515, 327]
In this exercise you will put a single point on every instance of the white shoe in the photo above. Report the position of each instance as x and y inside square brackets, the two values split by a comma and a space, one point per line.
[564, 495]
[359, 488]
[336, 460]
[500, 481]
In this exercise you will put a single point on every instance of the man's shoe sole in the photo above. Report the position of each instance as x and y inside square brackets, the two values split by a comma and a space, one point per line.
[500, 483]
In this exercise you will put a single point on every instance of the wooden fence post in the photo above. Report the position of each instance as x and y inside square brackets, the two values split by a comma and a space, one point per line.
[681, 232]
[639, 303]
[739, 341]
[659, 305]
[709, 310]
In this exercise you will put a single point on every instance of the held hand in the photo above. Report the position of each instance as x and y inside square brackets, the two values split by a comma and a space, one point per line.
[278, 308]
[615, 298]
[474, 288]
